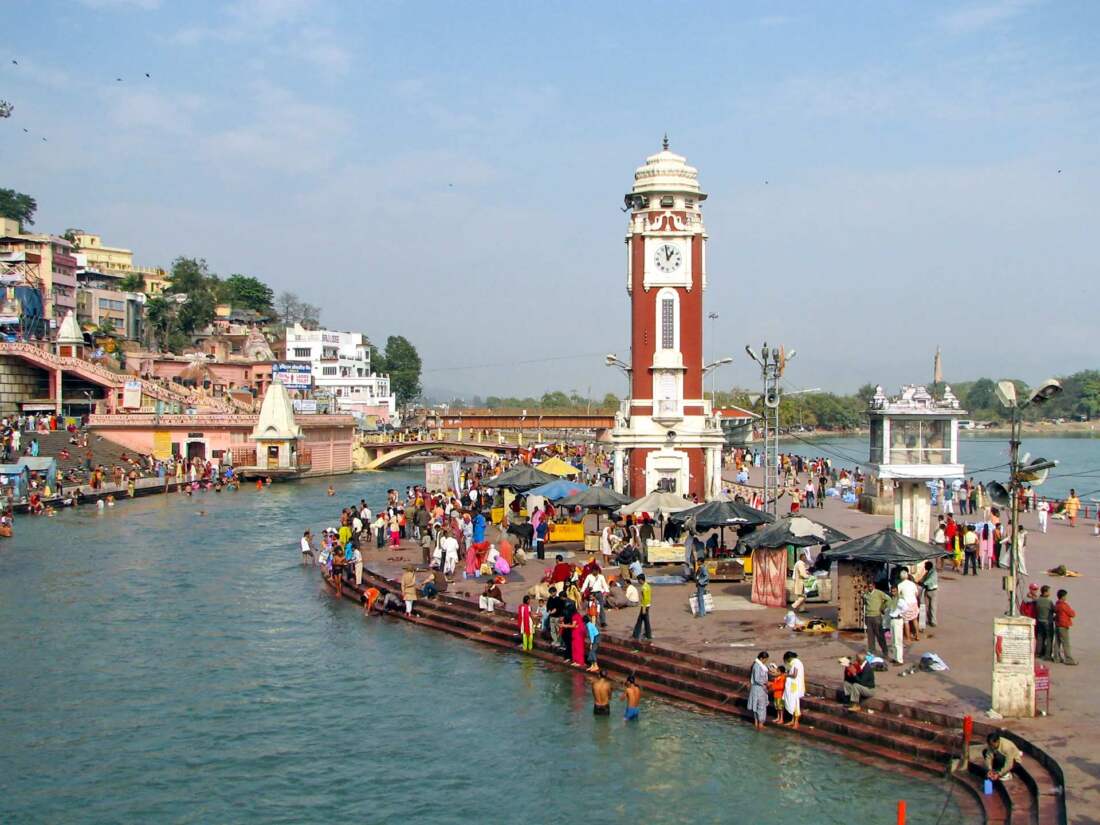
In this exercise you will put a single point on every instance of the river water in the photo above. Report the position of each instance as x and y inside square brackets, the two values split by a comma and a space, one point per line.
[986, 458]
[165, 666]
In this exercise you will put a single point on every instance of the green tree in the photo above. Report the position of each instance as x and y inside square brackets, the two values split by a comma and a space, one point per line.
[865, 394]
[132, 282]
[610, 402]
[160, 320]
[18, 207]
[191, 277]
[402, 362]
[555, 400]
[981, 395]
[246, 292]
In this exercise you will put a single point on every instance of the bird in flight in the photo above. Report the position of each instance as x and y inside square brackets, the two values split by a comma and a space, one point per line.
[15, 62]
[147, 74]
[118, 80]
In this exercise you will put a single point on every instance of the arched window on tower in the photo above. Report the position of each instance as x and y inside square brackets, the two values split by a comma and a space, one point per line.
[668, 318]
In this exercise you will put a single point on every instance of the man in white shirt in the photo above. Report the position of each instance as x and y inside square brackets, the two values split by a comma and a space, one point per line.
[1044, 512]
[449, 546]
[357, 565]
[309, 554]
[596, 584]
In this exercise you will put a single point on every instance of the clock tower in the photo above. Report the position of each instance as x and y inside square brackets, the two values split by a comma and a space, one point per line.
[665, 435]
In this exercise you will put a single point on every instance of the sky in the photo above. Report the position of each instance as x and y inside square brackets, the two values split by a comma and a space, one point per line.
[883, 177]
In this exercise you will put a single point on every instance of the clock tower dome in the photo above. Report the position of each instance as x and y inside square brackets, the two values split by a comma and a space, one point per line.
[666, 436]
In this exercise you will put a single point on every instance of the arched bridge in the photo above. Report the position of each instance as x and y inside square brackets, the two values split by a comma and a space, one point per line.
[378, 456]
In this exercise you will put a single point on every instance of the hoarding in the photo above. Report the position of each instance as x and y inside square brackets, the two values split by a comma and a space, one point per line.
[131, 395]
[292, 375]
[441, 475]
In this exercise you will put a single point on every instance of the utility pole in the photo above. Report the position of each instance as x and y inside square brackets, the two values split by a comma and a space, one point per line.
[1014, 491]
[772, 363]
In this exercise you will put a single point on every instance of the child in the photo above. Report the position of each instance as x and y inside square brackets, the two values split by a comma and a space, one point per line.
[542, 619]
[776, 686]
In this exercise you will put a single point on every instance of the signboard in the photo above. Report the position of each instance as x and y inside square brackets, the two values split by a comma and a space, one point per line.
[131, 395]
[441, 475]
[1013, 693]
[162, 444]
[292, 375]
[304, 405]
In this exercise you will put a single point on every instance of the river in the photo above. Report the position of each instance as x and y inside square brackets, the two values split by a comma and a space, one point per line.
[166, 666]
[985, 457]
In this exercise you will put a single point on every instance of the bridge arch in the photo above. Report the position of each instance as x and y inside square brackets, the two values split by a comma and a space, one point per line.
[382, 456]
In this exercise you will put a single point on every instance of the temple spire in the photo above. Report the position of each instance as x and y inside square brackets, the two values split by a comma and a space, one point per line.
[664, 143]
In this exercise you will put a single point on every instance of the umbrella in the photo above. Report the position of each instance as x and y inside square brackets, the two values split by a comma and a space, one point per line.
[556, 467]
[557, 489]
[520, 479]
[796, 530]
[597, 498]
[656, 503]
[887, 546]
[603, 498]
[721, 514]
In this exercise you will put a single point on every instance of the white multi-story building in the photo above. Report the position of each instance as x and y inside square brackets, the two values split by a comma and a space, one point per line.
[340, 367]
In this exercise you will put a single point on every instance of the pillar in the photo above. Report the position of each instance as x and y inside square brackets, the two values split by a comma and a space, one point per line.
[57, 393]
[618, 469]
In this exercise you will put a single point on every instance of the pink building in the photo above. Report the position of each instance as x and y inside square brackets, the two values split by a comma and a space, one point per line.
[326, 440]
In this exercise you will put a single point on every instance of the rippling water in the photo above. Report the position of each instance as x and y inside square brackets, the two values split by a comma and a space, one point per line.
[165, 666]
[986, 457]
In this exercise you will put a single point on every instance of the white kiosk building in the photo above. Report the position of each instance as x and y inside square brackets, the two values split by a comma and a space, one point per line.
[914, 441]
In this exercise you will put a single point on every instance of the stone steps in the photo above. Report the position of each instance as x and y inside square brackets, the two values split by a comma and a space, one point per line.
[912, 738]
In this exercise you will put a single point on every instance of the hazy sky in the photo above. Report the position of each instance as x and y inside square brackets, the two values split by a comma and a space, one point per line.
[883, 177]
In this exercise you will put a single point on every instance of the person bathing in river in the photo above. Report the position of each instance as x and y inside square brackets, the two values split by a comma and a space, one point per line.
[601, 695]
[633, 696]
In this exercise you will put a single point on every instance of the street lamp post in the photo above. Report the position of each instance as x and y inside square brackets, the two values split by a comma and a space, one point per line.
[713, 316]
[713, 367]
[1018, 473]
[772, 364]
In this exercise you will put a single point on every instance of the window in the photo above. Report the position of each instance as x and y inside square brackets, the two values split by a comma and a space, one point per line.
[301, 352]
[876, 439]
[914, 441]
[689, 203]
[668, 323]
[106, 303]
[117, 323]
[328, 370]
[667, 200]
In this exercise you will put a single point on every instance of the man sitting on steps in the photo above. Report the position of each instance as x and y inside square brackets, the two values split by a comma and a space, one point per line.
[859, 681]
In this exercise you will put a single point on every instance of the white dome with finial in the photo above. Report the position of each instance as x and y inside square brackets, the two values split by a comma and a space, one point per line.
[70, 333]
[667, 172]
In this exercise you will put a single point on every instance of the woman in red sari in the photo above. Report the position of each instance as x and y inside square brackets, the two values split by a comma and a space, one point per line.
[526, 626]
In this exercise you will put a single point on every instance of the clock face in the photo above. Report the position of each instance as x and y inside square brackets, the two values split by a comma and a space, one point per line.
[667, 257]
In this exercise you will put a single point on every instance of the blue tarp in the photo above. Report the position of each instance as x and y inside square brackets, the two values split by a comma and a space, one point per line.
[43, 466]
[14, 480]
[556, 490]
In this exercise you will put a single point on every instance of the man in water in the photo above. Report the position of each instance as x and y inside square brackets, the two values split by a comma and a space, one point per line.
[601, 695]
[308, 550]
[633, 696]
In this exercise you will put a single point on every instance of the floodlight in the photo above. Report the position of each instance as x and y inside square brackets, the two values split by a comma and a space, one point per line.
[1006, 392]
[1046, 391]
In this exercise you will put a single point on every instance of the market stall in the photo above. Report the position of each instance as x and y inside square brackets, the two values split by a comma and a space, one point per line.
[861, 561]
[783, 537]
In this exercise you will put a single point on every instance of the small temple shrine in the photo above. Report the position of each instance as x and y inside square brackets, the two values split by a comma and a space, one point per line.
[914, 440]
